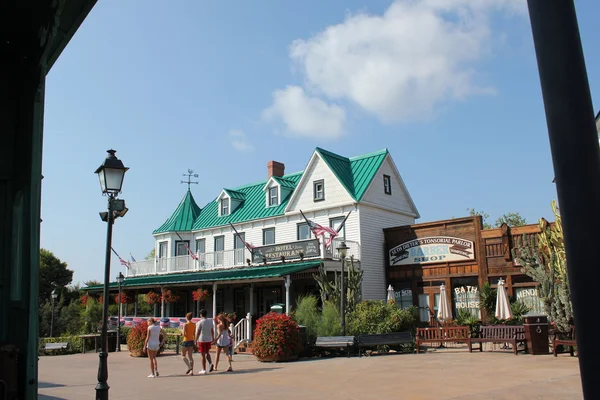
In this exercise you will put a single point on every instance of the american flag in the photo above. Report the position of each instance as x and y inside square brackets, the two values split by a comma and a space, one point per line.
[195, 257]
[132, 259]
[320, 230]
[249, 246]
[123, 262]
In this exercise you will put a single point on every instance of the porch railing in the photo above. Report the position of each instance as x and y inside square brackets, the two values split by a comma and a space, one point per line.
[218, 260]
[353, 249]
[242, 331]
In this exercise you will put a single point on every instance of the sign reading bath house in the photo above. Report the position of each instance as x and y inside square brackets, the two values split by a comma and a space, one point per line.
[433, 249]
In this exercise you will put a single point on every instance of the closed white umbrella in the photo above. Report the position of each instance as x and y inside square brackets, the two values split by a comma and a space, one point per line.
[503, 311]
[444, 311]
[391, 296]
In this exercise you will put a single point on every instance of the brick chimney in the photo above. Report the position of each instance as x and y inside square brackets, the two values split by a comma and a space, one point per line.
[275, 169]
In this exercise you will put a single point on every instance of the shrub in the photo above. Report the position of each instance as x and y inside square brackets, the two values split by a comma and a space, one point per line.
[276, 335]
[307, 314]
[466, 318]
[137, 338]
[329, 325]
[371, 317]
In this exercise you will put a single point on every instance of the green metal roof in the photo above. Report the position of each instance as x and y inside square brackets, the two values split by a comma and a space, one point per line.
[354, 173]
[285, 183]
[184, 216]
[253, 207]
[234, 274]
[234, 194]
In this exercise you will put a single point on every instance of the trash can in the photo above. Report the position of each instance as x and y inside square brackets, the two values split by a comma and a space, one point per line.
[536, 333]
[111, 338]
[278, 308]
[306, 341]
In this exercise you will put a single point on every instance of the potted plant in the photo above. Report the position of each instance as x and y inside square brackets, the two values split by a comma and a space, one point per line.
[169, 297]
[276, 338]
[137, 338]
[152, 298]
[200, 294]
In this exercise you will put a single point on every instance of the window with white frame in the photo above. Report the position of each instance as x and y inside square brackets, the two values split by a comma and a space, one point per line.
[162, 249]
[268, 236]
[224, 206]
[387, 184]
[319, 190]
[200, 246]
[180, 247]
[303, 231]
[335, 223]
[273, 196]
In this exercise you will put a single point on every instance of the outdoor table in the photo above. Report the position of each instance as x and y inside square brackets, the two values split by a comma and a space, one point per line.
[91, 335]
[178, 335]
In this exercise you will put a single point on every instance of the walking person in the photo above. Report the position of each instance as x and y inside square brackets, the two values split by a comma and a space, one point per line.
[153, 345]
[187, 346]
[223, 341]
[205, 336]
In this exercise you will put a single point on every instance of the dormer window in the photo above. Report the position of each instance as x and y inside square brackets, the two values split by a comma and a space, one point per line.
[224, 206]
[319, 190]
[273, 196]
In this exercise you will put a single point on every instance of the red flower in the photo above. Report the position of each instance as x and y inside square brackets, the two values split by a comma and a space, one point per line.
[169, 297]
[276, 334]
[84, 299]
[152, 298]
[122, 299]
[200, 294]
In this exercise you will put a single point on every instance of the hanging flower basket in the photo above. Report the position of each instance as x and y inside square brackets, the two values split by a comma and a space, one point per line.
[84, 299]
[200, 294]
[121, 299]
[152, 298]
[169, 297]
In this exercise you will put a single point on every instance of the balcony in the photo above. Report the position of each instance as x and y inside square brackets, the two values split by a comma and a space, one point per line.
[217, 260]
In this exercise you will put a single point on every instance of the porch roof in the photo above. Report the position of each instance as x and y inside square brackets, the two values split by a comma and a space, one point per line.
[269, 271]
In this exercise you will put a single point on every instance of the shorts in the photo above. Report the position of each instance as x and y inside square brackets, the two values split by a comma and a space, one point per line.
[154, 347]
[204, 347]
[187, 343]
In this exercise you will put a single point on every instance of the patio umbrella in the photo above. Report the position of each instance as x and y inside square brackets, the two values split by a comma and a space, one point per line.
[391, 296]
[503, 311]
[444, 311]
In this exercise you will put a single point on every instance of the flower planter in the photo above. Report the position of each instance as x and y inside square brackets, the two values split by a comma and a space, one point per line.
[137, 353]
[278, 358]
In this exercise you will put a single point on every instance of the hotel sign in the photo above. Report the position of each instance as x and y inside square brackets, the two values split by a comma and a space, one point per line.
[433, 249]
[294, 250]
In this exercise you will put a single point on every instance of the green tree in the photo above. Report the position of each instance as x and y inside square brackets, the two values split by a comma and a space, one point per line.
[511, 219]
[53, 274]
[484, 217]
[151, 255]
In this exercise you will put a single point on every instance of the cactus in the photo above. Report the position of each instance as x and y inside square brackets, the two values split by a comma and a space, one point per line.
[330, 290]
[543, 258]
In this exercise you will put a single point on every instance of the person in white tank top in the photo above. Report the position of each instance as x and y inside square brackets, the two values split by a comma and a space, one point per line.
[153, 345]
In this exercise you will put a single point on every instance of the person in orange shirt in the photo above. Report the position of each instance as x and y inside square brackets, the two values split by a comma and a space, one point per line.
[187, 346]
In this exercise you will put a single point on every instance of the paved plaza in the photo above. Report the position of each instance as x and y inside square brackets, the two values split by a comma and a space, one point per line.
[448, 374]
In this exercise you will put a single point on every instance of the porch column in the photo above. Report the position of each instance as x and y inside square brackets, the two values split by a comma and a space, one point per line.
[288, 282]
[323, 249]
[251, 299]
[162, 303]
[214, 299]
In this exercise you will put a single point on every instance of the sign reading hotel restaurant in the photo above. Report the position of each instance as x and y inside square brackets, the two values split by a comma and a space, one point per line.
[308, 248]
[432, 249]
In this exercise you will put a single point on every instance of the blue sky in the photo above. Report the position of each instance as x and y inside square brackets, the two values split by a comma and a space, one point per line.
[449, 87]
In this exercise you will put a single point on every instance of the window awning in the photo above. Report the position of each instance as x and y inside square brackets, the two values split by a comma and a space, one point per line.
[235, 274]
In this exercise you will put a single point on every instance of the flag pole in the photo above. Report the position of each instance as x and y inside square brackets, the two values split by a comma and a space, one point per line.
[308, 223]
[243, 241]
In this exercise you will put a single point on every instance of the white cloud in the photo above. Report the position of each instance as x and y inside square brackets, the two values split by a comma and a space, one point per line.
[304, 115]
[239, 140]
[398, 66]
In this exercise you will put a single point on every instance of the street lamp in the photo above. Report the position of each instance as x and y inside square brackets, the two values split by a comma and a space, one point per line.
[111, 174]
[342, 251]
[120, 279]
[54, 297]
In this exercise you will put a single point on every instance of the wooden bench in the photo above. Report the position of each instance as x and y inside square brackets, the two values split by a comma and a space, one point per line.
[565, 339]
[339, 342]
[455, 334]
[498, 334]
[56, 346]
[384, 339]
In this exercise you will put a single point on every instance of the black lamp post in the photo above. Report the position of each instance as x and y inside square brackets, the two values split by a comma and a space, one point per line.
[342, 251]
[120, 279]
[111, 174]
[54, 297]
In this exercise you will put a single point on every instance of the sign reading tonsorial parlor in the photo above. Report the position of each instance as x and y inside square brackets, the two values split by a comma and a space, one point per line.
[431, 250]
[294, 250]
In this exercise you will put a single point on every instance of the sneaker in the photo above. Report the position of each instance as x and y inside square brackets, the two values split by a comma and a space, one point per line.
[156, 373]
[151, 376]
[188, 371]
[210, 367]
[202, 372]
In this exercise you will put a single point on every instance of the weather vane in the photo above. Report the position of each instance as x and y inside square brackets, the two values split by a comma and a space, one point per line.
[189, 175]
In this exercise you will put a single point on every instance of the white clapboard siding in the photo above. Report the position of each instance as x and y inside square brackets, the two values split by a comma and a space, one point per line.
[335, 193]
[399, 200]
[372, 222]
